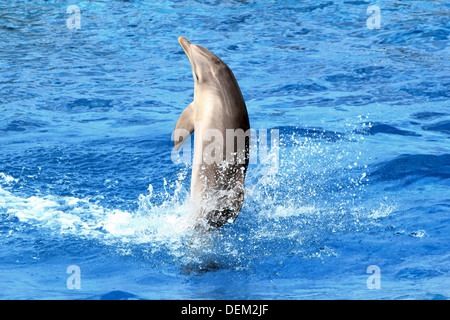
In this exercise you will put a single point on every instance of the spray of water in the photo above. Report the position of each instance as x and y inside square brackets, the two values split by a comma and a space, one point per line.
[294, 205]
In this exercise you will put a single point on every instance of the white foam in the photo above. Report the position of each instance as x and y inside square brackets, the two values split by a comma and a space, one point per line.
[382, 212]
[81, 217]
[7, 179]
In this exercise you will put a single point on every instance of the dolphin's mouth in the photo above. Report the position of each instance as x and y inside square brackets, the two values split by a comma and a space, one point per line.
[184, 44]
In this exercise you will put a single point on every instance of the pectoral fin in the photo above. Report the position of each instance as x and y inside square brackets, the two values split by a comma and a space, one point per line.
[184, 126]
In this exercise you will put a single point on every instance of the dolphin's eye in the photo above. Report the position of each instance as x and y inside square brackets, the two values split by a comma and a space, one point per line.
[196, 76]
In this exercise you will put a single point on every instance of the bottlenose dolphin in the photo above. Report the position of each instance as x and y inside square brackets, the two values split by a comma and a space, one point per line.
[219, 119]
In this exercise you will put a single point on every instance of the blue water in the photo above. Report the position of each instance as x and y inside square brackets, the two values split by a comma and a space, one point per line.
[362, 177]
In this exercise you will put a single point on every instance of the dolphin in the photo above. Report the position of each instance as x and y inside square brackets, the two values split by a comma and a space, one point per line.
[219, 119]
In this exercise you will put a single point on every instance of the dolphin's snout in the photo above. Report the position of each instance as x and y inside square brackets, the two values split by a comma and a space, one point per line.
[184, 43]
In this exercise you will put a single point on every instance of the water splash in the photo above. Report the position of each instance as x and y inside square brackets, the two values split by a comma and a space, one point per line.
[296, 206]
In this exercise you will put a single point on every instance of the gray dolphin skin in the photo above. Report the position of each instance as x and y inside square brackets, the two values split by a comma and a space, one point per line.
[219, 119]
